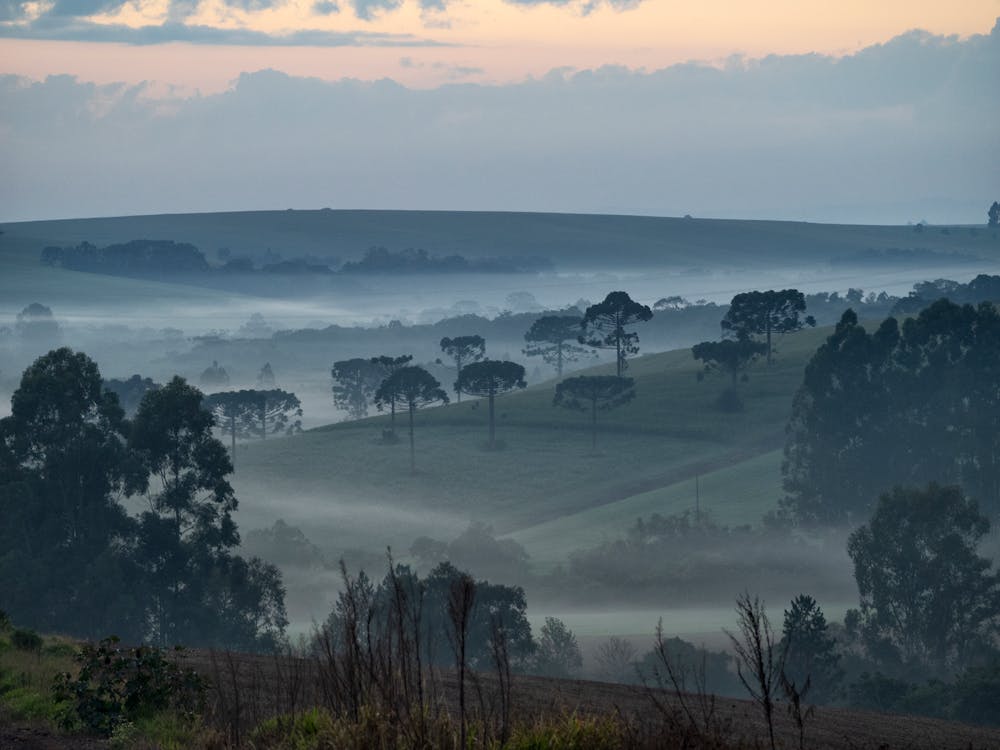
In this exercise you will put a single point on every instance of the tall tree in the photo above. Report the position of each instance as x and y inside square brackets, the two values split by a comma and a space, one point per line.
[490, 379]
[389, 366]
[927, 597]
[766, 313]
[554, 339]
[993, 216]
[592, 393]
[730, 357]
[189, 522]
[354, 383]
[810, 651]
[65, 536]
[903, 405]
[230, 409]
[254, 414]
[131, 391]
[414, 387]
[463, 350]
[604, 326]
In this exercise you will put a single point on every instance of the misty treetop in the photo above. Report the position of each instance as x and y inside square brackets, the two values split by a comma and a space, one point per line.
[605, 324]
[389, 366]
[928, 598]
[413, 387]
[732, 358]
[257, 413]
[593, 393]
[554, 339]
[765, 314]
[135, 258]
[463, 350]
[73, 560]
[354, 384]
[489, 379]
[905, 404]
[381, 260]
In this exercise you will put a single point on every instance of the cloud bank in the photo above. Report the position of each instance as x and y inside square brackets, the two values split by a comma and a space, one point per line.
[905, 130]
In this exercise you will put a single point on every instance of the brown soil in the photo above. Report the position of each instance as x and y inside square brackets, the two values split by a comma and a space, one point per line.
[828, 729]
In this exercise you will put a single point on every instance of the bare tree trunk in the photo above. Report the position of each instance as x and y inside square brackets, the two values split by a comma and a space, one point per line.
[493, 429]
[461, 599]
[593, 424]
[413, 458]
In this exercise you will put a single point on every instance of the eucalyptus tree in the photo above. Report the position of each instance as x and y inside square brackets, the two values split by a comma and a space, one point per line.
[415, 388]
[605, 326]
[554, 339]
[593, 393]
[463, 350]
[489, 379]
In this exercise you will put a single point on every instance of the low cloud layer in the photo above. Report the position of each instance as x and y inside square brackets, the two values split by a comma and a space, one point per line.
[901, 131]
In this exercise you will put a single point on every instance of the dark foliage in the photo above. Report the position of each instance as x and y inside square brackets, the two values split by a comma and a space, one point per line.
[765, 314]
[590, 393]
[415, 388]
[131, 391]
[903, 405]
[354, 384]
[380, 260]
[605, 325]
[554, 339]
[928, 599]
[489, 379]
[135, 258]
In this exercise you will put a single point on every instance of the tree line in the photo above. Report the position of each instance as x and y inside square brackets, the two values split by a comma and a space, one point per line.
[73, 559]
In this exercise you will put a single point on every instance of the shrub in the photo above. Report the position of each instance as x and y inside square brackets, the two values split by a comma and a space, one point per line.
[26, 640]
[116, 685]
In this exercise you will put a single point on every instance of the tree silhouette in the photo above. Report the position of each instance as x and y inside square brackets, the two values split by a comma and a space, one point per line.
[604, 326]
[554, 339]
[255, 413]
[131, 391]
[766, 313]
[388, 366]
[265, 378]
[592, 393]
[355, 382]
[414, 387]
[927, 597]
[905, 404]
[489, 379]
[191, 504]
[729, 357]
[463, 350]
[810, 651]
[994, 215]
[214, 376]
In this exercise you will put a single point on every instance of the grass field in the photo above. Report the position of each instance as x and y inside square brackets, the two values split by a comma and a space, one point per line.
[546, 488]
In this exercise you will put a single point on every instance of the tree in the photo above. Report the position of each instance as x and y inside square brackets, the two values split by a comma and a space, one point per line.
[604, 326]
[354, 383]
[928, 599]
[554, 339]
[214, 376]
[36, 322]
[673, 302]
[994, 215]
[388, 366]
[810, 651]
[65, 537]
[558, 652]
[414, 387]
[489, 379]
[255, 413]
[902, 405]
[766, 313]
[593, 392]
[759, 658]
[189, 522]
[729, 357]
[265, 378]
[463, 350]
[131, 391]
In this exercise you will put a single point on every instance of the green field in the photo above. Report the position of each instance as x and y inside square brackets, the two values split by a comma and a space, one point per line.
[570, 240]
[545, 488]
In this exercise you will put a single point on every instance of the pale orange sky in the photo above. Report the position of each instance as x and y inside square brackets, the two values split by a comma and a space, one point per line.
[492, 41]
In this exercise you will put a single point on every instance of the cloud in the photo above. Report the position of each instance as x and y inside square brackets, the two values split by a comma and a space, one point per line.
[80, 30]
[584, 7]
[325, 7]
[367, 10]
[899, 131]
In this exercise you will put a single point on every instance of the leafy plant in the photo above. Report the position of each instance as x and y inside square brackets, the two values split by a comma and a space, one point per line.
[125, 684]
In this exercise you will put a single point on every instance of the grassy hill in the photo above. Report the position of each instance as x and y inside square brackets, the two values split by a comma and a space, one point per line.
[569, 240]
[546, 488]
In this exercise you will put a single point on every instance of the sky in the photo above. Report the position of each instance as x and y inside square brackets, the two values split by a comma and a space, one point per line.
[801, 109]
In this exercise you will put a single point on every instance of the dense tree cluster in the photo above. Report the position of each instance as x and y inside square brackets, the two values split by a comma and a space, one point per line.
[135, 258]
[905, 405]
[73, 560]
